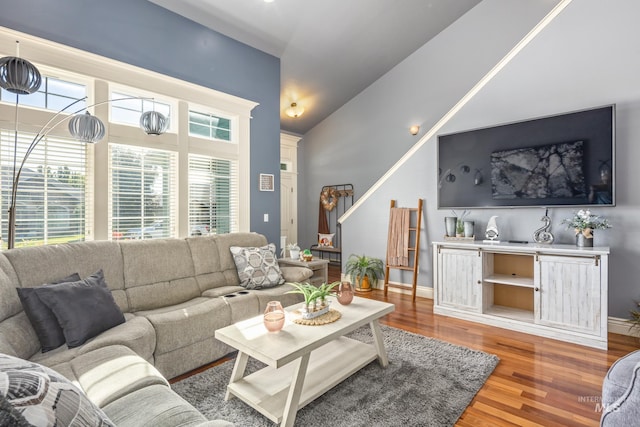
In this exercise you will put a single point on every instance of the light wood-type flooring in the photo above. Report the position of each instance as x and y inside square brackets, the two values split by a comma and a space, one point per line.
[538, 382]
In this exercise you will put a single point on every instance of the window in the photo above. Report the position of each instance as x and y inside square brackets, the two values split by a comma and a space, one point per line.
[126, 186]
[213, 195]
[128, 111]
[52, 192]
[209, 126]
[142, 192]
[54, 95]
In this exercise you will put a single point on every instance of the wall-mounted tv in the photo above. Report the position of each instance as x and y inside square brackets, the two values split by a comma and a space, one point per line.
[561, 160]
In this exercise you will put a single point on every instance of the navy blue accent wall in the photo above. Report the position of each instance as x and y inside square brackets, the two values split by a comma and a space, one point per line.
[140, 33]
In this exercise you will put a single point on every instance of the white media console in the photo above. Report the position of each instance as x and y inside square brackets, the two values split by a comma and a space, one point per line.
[555, 291]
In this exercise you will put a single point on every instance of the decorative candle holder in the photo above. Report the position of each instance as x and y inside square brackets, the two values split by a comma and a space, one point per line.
[274, 316]
[345, 293]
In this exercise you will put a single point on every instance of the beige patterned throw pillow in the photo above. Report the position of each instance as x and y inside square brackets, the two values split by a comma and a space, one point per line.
[257, 267]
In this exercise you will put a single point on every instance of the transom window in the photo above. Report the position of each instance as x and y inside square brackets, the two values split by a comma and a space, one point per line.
[128, 111]
[208, 126]
[54, 94]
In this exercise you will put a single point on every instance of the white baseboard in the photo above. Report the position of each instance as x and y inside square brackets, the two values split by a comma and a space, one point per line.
[620, 326]
[615, 325]
[404, 288]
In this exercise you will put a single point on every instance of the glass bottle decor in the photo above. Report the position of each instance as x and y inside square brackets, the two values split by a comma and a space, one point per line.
[345, 293]
[274, 316]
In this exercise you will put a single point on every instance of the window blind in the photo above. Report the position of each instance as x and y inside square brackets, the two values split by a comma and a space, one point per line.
[53, 193]
[143, 194]
[213, 195]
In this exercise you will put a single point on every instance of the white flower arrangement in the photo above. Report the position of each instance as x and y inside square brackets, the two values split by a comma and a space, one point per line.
[583, 221]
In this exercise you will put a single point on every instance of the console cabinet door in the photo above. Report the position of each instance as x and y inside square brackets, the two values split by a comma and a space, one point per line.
[568, 293]
[458, 279]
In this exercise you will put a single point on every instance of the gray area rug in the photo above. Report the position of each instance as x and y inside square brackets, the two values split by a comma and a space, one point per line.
[428, 383]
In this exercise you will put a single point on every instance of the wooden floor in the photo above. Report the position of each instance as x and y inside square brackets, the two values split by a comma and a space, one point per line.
[538, 382]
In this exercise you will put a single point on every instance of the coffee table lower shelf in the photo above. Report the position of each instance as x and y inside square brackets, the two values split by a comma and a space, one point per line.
[267, 390]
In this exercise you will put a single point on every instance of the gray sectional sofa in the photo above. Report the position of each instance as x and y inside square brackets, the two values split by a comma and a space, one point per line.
[174, 294]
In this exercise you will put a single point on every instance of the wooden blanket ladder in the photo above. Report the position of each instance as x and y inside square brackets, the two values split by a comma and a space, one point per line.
[415, 215]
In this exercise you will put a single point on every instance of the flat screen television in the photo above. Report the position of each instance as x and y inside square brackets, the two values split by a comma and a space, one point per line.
[560, 160]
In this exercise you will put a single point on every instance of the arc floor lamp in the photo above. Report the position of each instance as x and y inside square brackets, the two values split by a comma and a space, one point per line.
[21, 77]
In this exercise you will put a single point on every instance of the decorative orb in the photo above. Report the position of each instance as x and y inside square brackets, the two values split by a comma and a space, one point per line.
[19, 76]
[153, 123]
[86, 128]
[450, 178]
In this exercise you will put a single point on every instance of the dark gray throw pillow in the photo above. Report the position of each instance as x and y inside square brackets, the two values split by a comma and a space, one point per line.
[44, 322]
[84, 308]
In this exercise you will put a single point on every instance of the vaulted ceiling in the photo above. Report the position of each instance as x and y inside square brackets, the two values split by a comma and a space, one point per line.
[329, 50]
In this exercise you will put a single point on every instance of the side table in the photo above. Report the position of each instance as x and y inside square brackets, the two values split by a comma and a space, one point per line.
[320, 268]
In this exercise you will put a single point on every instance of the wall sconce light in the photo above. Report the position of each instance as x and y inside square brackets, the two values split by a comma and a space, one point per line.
[294, 110]
[413, 130]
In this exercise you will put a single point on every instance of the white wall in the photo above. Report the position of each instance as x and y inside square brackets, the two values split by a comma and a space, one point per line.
[588, 56]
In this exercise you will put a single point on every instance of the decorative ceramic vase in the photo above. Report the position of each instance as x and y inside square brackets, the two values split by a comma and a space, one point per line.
[584, 242]
[294, 253]
[468, 228]
[450, 225]
[345, 293]
[274, 316]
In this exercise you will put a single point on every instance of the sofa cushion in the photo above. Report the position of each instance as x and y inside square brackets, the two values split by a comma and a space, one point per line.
[84, 308]
[162, 408]
[183, 324]
[158, 272]
[55, 261]
[257, 267]
[136, 333]
[42, 319]
[111, 372]
[44, 397]
[278, 293]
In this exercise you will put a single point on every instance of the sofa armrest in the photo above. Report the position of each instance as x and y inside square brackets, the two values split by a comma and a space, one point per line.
[625, 411]
[296, 274]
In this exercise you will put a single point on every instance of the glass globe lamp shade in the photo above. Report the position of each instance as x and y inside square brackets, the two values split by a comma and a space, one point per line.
[19, 76]
[153, 123]
[294, 110]
[86, 128]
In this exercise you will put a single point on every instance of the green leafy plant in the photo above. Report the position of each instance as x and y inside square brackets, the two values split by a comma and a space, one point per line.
[312, 293]
[635, 318]
[358, 267]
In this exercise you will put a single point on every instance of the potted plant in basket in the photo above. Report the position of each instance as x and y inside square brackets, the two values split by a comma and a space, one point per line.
[364, 271]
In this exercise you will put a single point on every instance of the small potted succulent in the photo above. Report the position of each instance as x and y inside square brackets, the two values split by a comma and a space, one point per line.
[294, 250]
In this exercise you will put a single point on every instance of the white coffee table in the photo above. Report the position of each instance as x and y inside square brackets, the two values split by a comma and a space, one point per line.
[303, 361]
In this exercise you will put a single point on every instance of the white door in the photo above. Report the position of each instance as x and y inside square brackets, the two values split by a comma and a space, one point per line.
[459, 283]
[567, 293]
[288, 207]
